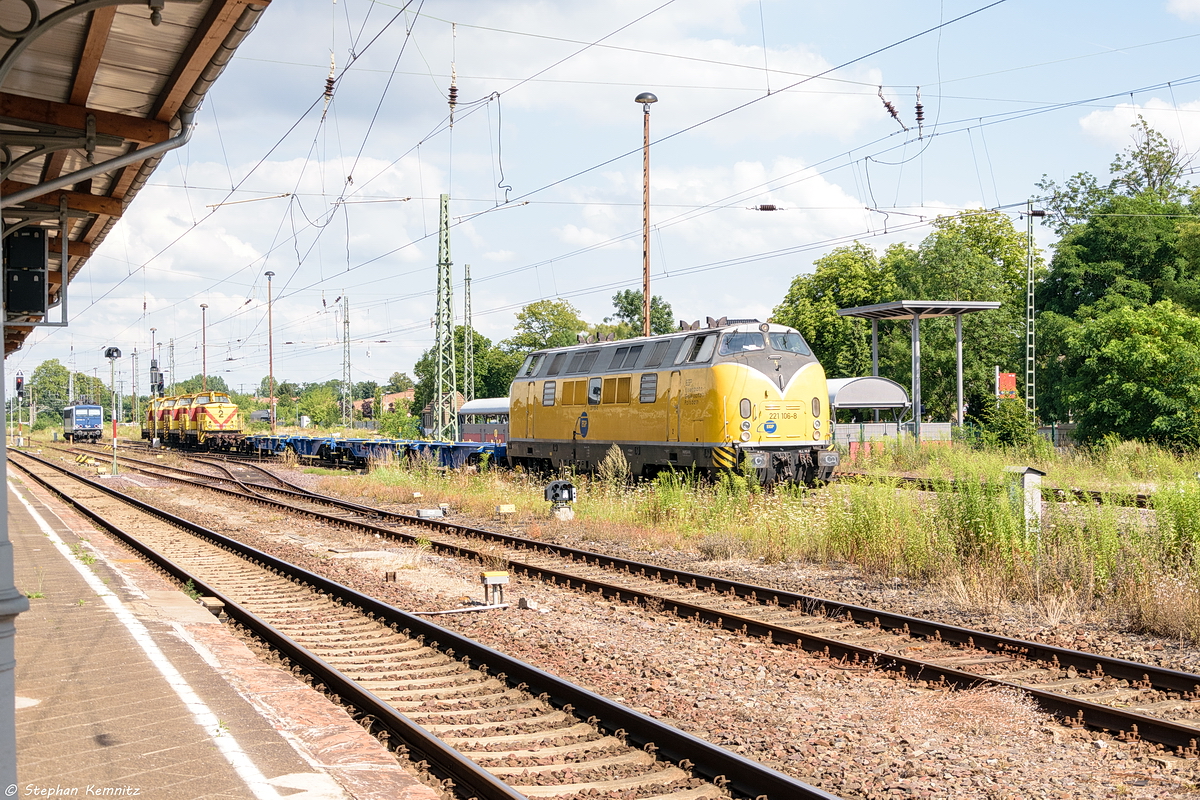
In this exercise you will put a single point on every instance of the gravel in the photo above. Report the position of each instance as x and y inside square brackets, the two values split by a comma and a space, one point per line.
[855, 732]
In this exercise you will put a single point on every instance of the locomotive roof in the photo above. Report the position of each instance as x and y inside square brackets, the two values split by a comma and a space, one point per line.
[739, 326]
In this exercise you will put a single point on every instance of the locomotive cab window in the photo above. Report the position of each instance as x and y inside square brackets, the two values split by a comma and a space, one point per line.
[530, 367]
[698, 349]
[734, 343]
[790, 342]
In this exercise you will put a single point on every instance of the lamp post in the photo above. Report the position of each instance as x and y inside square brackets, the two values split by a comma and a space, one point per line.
[271, 352]
[112, 354]
[204, 347]
[645, 98]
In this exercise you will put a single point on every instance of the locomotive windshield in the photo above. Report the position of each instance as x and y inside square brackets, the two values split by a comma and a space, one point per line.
[87, 412]
[790, 342]
[732, 343]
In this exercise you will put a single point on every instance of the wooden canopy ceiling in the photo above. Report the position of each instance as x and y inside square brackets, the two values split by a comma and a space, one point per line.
[84, 82]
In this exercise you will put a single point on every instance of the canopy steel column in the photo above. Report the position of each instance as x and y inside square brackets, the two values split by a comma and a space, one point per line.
[958, 361]
[916, 374]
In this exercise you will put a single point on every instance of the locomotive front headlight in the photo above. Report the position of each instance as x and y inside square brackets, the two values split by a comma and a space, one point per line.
[746, 425]
[745, 408]
[816, 423]
[745, 436]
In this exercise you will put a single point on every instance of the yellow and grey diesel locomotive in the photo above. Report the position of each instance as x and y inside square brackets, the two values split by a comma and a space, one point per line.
[743, 394]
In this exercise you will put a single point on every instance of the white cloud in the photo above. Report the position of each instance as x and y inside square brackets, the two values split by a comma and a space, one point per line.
[1184, 9]
[1112, 126]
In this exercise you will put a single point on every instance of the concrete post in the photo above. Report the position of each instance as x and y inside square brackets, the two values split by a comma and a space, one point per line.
[12, 603]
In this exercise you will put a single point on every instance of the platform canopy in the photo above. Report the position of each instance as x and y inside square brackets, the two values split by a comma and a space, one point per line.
[915, 311]
[866, 392]
[92, 94]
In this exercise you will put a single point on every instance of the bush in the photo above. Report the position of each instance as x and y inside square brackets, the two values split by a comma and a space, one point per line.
[1008, 424]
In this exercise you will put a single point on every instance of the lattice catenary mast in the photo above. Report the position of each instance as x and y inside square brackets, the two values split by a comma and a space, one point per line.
[468, 338]
[347, 386]
[445, 405]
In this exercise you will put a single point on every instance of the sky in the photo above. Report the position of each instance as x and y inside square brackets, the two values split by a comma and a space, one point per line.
[760, 102]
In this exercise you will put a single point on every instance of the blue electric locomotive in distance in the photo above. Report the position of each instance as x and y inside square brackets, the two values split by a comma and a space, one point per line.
[82, 422]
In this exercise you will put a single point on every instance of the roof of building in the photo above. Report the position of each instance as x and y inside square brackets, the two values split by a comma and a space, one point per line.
[924, 309]
[91, 95]
[486, 405]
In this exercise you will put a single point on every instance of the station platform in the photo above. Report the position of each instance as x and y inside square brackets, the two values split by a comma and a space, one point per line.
[127, 688]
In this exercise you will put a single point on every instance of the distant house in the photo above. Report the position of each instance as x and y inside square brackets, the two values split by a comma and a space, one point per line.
[391, 402]
[427, 420]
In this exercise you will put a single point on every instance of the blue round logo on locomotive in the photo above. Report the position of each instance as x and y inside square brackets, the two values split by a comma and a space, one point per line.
[583, 425]
[769, 426]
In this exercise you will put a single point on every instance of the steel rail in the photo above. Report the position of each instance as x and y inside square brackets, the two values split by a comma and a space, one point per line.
[1049, 493]
[716, 764]
[424, 745]
[1160, 677]
[1078, 711]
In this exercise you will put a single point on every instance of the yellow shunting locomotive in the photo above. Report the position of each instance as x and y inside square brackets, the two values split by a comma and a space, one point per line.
[742, 394]
[206, 420]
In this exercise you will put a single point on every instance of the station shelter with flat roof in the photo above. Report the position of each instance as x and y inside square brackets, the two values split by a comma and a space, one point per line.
[915, 311]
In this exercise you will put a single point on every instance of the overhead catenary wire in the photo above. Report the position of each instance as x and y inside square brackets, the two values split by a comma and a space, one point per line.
[528, 200]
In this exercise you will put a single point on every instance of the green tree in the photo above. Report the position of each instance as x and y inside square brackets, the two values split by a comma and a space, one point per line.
[545, 323]
[195, 383]
[1134, 371]
[321, 404]
[400, 424]
[970, 256]
[1137, 247]
[48, 384]
[1152, 165]
[849, 276]
[494, 369]
[365, 389]
[628, 319]
[399, 382]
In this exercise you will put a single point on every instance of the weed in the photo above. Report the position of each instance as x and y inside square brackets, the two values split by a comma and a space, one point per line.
[81, 602]
[82, 555]
[722, 546]
[190, 590]
[613, 472]
[38, 594]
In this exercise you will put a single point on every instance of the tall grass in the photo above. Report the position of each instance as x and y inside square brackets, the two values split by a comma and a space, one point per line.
[969, 537]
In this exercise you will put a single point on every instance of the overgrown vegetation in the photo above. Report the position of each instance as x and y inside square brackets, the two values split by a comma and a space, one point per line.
[969, 539]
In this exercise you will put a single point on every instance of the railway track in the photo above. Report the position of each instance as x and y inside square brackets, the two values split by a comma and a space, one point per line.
[1050, 494]
[1130, 699]
[494, 726]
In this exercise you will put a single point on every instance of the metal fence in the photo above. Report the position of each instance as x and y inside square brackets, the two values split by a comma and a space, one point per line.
[845, 433]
